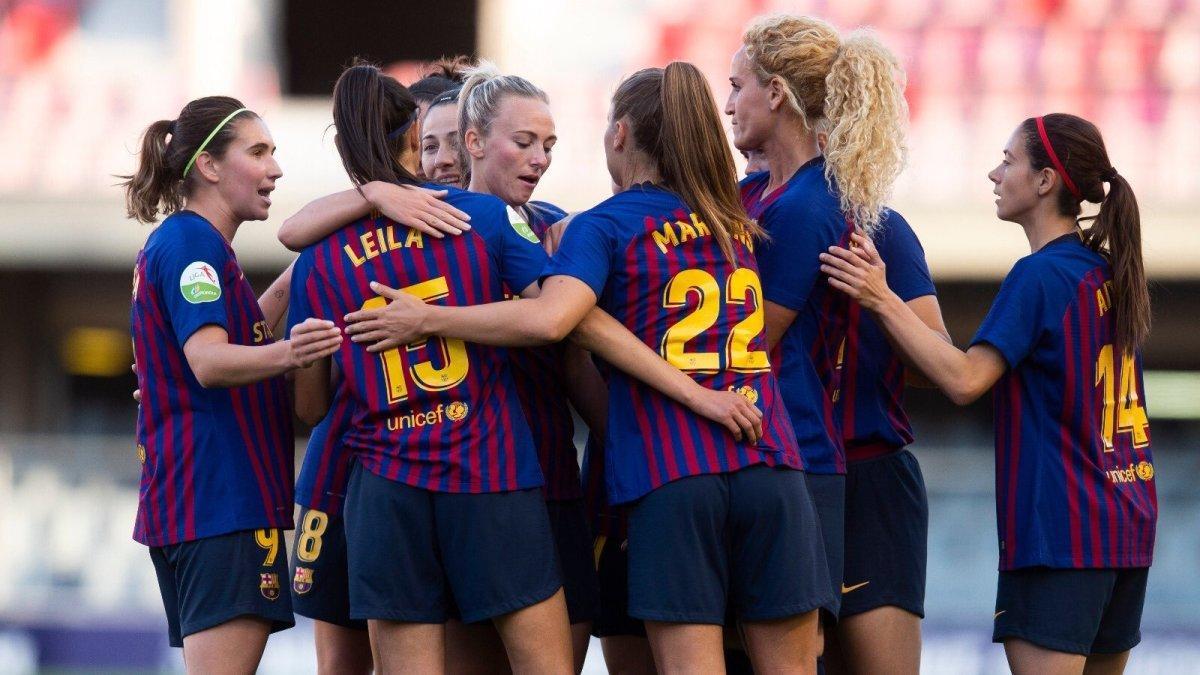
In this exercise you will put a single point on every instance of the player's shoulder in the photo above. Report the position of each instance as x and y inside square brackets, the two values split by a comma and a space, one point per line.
[183, 232]
[471, 202]
[894, 232]
[545, 212]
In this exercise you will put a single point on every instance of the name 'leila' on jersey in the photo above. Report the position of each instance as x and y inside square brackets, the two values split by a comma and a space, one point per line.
[380, 240]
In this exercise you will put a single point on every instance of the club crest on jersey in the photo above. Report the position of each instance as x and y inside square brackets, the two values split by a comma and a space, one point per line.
[518, 223]
[303, 581]
[199, 283]
[749, 392]
[456, 411]
[141, 452]
[1145, 470]
[268, 585]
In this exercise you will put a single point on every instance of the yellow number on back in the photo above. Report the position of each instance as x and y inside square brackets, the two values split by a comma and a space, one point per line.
[1130, 417]
[426, 376]
[738, 355]
[741, 359]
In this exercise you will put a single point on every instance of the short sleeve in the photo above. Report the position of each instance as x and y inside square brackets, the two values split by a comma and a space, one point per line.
[788, 261]
[188, 268]
[299, 306]
[1015, 320]
[585, 253]
[907, 272]
[514, 246]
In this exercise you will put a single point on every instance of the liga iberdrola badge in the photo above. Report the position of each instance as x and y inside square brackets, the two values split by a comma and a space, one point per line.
[268, 585]
[200, 283]
[302, 582]
[518, 223]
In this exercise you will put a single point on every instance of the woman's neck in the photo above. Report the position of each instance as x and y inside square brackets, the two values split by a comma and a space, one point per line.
[1045, 228]
[215, 212]
[640, 170]
[791, 147]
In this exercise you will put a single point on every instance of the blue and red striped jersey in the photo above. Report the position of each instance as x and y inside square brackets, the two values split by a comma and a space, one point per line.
[442, 414]
[656, 267]
[539, 376]
[803, 218]
[870, 405]
[214, 460]
[1074, 474]
[325, 471]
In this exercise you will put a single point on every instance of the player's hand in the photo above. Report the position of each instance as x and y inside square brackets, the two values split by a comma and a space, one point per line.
[312, 340]
[730, 409]
[859, 273]
[417, 207]
[397, 323]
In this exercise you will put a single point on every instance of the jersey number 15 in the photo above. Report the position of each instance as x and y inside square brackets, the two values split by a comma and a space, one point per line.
[424, 374]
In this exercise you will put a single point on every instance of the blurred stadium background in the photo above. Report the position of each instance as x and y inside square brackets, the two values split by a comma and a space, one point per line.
[80, 79]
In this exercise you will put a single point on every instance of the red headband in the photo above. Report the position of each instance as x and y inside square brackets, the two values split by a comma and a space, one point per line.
[1062, 171]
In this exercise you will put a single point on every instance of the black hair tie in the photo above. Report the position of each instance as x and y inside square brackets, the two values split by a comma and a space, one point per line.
[171, 129]
[1109, 174]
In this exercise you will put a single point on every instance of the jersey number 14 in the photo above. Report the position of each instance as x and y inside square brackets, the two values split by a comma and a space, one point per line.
[1129, 417]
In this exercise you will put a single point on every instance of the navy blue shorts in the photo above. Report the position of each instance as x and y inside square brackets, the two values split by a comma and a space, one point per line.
[829, 497]
[1084, 611]
[207, 582]
[887, 529]
[747, 541]
[425, 557]
[612, 570]
[320, 577]
[573, 539]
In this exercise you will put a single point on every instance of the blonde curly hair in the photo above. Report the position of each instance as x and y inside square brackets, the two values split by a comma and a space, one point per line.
[851, 88]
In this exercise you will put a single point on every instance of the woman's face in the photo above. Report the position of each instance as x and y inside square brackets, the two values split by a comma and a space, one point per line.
[510, 160]
[749, 104]
[440, 151]
[246, 173]
[1016, 181]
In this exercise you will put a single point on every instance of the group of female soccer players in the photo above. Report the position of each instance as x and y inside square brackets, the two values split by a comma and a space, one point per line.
[739, 356]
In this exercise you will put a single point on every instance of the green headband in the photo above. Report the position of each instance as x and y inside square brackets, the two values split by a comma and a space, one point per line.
[203, 145]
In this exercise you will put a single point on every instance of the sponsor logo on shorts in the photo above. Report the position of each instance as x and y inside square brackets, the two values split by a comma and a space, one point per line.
[997, 614]
[1143, 471]
[454, 411]
[749, 392]
[850, 589]
[199, 283]
[303, 581]
[518, 223]
[268, 585]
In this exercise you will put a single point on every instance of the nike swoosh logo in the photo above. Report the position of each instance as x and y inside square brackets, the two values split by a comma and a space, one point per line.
[847, 589]
[997, 614]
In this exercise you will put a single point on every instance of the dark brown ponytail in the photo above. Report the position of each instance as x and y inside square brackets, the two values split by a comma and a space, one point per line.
[674, 119]
[158, 185]
[1116, 231]
[372, 114]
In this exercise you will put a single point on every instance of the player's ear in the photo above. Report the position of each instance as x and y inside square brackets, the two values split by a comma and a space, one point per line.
[206, 166]
[776, 92]
[620, 135]
[1044, 182]
[473, 142]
